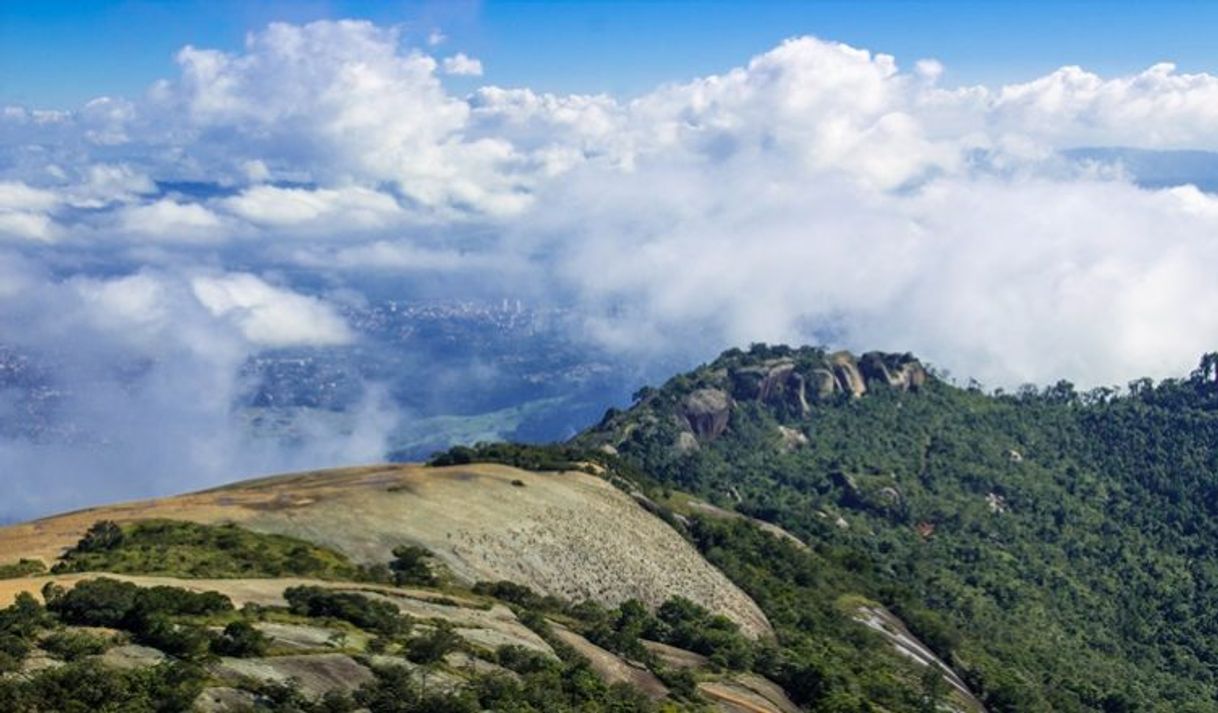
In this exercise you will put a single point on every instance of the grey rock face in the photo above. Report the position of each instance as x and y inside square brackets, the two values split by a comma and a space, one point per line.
[707, 412]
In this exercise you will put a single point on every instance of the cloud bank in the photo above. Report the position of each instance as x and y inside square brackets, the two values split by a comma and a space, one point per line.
[816, 193]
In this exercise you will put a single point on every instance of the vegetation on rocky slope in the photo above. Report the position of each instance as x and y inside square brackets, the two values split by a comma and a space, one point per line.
[1056, 547]
[52, 656]
[188, 549]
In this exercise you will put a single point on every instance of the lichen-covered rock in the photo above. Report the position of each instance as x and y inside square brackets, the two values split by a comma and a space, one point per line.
[791, 438]
[847, 374]
[900, 371]
[685, 442]
[776, 383]
[706, 412]
[221, 699]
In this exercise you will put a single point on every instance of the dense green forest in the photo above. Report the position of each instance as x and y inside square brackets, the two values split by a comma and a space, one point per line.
[1056, 547]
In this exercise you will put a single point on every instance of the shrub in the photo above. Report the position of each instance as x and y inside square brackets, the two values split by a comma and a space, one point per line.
[189, 549]
[683, 623]
[103, 535]
[146, 613]
[521, 660]
[240, 639]
[519, 595]
[18, 625]
[68, 645]
[89, 686]
[362, 611]
[411, 565]
[93, 602]
[394, 690]
[24, 617]
[182, 602]
[22, 568]
[434, 645]
[13, 650]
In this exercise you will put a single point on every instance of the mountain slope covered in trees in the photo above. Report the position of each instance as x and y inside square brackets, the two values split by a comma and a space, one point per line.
[1056, 547]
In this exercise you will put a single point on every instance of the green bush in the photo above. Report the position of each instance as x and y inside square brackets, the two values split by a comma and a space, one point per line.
[22, 568]
[113, 603]
[188, 549]
[94, 602]
[412, 565]
[364, 612]
[521, 659]
[433, 646]
[551, 457]
[69, 645]
[89, 687]
[103, 535]
[519, 595]
[24, 617]
[20, 623]
[240, 639]
[149, 614]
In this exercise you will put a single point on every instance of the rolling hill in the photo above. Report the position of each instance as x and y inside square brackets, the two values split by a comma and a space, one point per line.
[323, 587]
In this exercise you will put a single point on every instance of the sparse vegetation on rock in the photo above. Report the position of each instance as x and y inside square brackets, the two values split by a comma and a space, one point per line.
[189, 549]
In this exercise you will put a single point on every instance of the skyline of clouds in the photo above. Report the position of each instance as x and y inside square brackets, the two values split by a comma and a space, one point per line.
[815, 193]
[334, 138]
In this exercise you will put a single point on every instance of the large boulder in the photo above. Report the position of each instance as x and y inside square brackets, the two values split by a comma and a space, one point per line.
[706, 412]
[846, 373]
[775, 383]
[899, 371]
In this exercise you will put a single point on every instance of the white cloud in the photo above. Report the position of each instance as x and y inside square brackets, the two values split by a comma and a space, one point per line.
[25, 212]
[167, 219]
[323, 208]
[334, 102]
[271, 316]
[462, 65]
[816, 190]
[18, 197]
[1158, 108]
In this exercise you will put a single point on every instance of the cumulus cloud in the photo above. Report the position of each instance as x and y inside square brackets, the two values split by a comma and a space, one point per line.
[25, 212]
[167, 219]
[318, 209]
[462, 65]
[817, 192]
[269, 316]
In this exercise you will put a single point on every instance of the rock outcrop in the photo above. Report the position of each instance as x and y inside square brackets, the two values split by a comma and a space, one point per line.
[788, 382]
[706, 412]
[782, 383]
[773, 382]
[900, 371]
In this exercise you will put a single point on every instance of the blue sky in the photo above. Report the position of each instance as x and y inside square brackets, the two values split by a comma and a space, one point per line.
[60, 53]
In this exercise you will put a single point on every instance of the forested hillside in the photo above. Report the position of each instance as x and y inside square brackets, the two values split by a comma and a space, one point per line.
[1057, 548]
